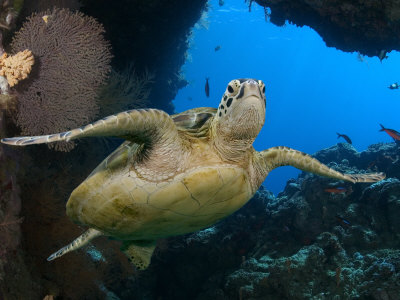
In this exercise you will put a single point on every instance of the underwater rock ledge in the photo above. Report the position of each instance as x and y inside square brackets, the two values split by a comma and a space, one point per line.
[151, 34]
[306, 243]
[364, 26]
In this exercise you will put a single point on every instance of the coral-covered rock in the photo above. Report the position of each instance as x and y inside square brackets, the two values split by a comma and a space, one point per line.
[369, 27]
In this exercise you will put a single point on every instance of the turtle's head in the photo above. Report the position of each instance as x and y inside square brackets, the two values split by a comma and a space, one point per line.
[241, 113]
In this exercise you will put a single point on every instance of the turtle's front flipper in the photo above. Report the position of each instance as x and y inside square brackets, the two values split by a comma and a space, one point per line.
[284, 156]
[139, 252]
[140, 126]
[80, 241]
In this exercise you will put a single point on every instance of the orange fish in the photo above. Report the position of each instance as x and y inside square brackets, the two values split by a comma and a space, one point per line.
[338, 190]
[393, 133]
[207, 87]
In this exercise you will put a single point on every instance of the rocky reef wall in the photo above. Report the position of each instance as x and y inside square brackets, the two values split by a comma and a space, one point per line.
[369, 27]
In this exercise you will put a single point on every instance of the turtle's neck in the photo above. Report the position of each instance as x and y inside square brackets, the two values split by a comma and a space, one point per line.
[229, 147]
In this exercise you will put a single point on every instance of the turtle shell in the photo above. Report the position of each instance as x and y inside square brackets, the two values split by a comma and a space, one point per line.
[195, 121]
[116, 200]
[122, 205]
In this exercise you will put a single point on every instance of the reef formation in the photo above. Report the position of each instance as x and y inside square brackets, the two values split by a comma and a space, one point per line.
[369, 27]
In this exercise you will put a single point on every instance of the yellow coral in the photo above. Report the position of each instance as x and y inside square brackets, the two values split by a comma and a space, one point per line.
[16, 67]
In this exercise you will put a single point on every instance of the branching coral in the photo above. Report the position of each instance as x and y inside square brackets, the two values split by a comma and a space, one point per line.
[72, 62]
[16, 67]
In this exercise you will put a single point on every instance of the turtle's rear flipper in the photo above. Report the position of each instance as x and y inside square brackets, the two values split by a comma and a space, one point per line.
[80, 241]
[139, 253]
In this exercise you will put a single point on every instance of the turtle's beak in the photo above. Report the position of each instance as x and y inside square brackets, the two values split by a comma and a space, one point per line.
[248, 89]
[249, 111]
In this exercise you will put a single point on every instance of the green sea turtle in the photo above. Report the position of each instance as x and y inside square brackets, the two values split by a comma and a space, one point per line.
[177, 174]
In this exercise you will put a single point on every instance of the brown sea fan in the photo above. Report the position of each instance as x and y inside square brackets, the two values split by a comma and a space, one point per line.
[72, 60]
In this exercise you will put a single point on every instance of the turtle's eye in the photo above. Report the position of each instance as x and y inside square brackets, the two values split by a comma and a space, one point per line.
[233, 87]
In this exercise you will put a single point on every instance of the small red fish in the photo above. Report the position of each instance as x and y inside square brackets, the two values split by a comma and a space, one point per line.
[337, 190]
[393, 133]
[345, 137]
[207, 87]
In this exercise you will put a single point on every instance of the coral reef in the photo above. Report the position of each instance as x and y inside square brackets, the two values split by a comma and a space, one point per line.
[17, 67]
[369, 27]
[306, 243]
[72, 62]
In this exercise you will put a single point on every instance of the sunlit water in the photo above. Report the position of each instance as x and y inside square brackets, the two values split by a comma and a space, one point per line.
[312, 91]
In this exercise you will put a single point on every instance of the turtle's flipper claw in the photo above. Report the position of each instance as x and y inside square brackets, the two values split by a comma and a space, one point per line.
[39, 139]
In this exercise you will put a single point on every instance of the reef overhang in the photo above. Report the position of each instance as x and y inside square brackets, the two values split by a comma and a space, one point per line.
[369, 27]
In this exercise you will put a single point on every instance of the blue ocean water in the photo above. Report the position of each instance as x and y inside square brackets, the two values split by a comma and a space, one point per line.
[312, 91]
